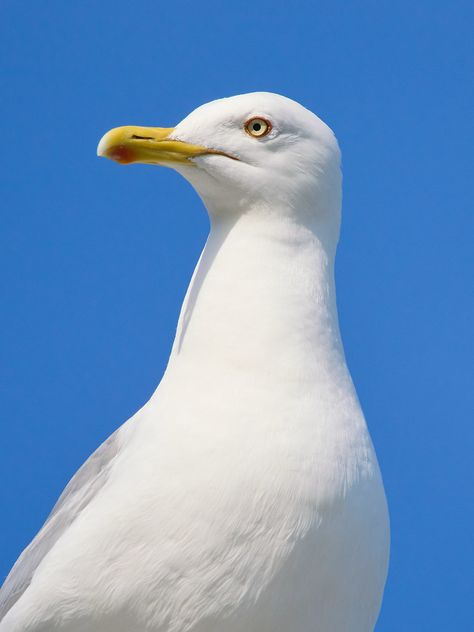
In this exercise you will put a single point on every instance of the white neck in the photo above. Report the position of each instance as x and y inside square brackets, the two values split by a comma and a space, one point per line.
[262, 299]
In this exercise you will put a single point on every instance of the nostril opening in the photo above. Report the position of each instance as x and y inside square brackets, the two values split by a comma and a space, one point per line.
[135, 137]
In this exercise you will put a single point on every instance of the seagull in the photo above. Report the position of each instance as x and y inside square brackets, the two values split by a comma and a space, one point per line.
[246, 495]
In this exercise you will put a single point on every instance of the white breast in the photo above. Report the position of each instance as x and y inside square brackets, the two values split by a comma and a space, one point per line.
[248, 497]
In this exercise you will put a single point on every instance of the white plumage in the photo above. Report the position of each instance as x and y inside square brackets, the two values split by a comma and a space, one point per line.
[245, 496]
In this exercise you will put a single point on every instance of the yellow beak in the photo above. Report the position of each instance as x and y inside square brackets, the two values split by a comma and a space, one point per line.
[150, 145]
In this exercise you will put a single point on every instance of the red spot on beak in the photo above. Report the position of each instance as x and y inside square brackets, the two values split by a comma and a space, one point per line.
[122, 154]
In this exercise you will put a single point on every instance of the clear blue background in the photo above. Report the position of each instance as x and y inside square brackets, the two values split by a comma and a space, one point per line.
[95, 258]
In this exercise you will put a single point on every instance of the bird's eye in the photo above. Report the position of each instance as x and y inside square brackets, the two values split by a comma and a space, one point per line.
[258, 127]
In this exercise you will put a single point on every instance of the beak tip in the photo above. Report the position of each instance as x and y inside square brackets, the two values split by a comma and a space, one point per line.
[108, 147]
[101, 147]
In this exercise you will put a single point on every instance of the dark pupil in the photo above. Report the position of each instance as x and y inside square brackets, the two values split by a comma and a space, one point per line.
[256, 127]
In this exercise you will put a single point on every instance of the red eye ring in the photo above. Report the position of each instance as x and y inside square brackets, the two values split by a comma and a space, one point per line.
[258, 127]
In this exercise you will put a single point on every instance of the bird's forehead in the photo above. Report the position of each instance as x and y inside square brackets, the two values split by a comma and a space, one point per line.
[241, 107]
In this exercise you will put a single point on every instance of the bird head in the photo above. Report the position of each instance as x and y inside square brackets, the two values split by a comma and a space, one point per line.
[257, 150]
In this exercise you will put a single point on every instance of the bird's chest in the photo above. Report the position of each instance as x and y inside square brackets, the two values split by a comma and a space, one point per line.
[262, 521]
[246, 472]
[225, 519]
[249, 442]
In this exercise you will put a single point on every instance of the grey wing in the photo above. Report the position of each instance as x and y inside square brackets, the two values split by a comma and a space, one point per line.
[80, 490]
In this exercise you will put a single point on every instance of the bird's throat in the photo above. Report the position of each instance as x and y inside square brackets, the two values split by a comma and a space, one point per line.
[262, 297]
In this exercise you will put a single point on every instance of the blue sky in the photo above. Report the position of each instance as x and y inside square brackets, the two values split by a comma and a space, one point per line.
[95, 258]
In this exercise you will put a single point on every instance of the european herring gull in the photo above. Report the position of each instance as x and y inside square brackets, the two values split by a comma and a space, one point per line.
[245, 496]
